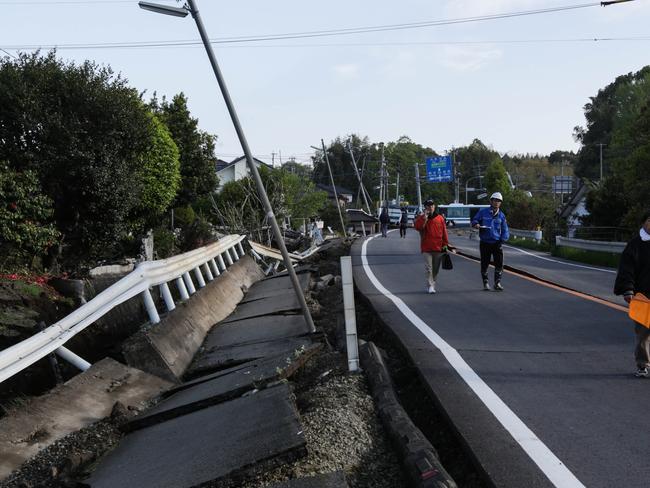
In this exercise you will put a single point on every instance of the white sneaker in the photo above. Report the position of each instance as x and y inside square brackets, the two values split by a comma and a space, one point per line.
[432, 289]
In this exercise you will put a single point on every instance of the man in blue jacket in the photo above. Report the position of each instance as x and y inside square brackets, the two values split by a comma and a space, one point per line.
[493, 230]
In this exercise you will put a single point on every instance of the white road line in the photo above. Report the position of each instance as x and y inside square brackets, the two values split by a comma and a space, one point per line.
[560, 262]
[551, 466]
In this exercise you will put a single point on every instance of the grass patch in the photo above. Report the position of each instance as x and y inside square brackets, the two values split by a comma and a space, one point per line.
[530, 244]
[589, 257]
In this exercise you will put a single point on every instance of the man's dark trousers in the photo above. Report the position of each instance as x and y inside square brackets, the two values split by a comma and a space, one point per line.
[491, 250]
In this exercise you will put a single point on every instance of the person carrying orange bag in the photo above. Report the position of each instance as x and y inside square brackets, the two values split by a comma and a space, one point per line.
[633, 278]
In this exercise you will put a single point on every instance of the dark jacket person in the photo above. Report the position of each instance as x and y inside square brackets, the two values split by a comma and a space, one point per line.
[634, 277]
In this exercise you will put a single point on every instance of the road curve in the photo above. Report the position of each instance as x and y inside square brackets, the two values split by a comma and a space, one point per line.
[536, 380]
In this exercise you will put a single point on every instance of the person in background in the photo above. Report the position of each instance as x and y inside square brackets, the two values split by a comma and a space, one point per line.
[634, 277]
[433, 241]
[384, 219]
[493, 231]
[403, 223]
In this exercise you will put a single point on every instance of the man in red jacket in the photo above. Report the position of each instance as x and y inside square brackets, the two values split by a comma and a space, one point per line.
[433, 241]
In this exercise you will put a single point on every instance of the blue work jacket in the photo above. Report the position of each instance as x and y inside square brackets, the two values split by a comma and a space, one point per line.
[497, 227]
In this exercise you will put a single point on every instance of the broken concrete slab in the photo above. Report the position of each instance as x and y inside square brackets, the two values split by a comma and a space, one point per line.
[286, 303]
[167, 348]
[329, 480]
[272, 288]
[86, 398]
[257, 329]
[222, 357]
[304, 268]
[234, 439]
[217, 388]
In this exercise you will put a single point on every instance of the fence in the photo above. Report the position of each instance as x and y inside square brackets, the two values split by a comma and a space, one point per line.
[589, 245]
[146, 275]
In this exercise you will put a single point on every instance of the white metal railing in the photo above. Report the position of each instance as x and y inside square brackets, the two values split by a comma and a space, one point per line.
[527, 234]
[603, 246]
[146, 275]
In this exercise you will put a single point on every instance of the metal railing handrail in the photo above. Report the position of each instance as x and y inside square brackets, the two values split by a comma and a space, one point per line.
[146, 275]
[589, 245]
[528, 234]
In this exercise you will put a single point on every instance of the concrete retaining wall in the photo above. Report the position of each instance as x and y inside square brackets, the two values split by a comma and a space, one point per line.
[167, 348]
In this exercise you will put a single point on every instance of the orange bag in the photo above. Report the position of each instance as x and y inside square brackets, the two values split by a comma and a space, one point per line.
[640, 309]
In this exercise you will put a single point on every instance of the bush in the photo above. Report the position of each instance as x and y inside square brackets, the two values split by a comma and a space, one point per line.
[24, 217]
[589, 257]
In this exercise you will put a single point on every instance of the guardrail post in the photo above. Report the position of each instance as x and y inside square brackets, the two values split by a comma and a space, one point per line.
[72, 358]
[180, 284]
[208, 271]
[149, 304]
[229, 258]
[241, 248]
[215, 268]
[167, 296]
[350, 314]
[222, 265]
[199, 277]
[188, 282]
[233, 250]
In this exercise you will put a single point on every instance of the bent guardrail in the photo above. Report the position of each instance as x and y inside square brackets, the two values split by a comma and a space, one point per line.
[146, 275]
[587, 245]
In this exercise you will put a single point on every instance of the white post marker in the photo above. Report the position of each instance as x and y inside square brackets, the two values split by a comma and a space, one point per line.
[350, 314]
[215, 268]
[199, 277]
[188, 283]
[229, 258]
[222, 264]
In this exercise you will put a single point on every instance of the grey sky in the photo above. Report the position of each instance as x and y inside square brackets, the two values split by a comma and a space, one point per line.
[427, 83]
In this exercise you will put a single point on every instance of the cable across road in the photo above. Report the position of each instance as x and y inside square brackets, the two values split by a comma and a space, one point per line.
[330, 32]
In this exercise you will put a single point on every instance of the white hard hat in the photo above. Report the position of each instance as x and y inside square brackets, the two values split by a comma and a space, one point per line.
[496, 196]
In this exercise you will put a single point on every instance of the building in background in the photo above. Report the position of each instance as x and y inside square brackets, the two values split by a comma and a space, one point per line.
[235, 170]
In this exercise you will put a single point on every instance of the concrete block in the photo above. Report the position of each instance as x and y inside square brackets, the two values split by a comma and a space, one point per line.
[167, 348]
[234, 440]
[86, 398]
[265, 328]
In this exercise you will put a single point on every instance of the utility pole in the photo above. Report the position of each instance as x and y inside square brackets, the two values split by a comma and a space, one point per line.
[273, 160]
[384, 187]
[336, 196]
[251, 165]
[397, 189]
[456, 176]
[601, 160]
[417, 185]
[356, 171]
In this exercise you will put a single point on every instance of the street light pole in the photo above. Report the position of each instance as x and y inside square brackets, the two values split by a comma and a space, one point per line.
[467, 181]
[417, 184]
[193, 9]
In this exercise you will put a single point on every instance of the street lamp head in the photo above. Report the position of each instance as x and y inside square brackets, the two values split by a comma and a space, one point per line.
[164, 9]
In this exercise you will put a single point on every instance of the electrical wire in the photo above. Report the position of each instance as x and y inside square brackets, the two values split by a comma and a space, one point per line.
[312, 34]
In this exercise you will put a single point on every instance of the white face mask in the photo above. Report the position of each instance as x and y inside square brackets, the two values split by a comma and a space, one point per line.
[644, 235]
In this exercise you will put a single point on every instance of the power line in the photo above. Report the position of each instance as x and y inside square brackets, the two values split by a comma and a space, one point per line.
[323, 33]
[193, 44]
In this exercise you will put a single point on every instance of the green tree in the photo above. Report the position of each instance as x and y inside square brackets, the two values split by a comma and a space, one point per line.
[84, 132]
[196, 148]
[496, 178]
[160, 170]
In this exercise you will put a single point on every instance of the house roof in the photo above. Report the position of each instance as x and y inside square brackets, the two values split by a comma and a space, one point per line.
[221, 165]
[339, 189]
[574, 200]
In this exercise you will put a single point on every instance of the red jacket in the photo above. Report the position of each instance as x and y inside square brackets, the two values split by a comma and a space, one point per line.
[433, 233]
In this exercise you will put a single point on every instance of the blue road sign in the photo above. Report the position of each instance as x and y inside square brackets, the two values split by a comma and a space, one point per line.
[439, 169]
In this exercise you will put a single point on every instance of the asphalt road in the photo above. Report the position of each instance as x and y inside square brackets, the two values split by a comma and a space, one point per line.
[593, 280]
[538, 381]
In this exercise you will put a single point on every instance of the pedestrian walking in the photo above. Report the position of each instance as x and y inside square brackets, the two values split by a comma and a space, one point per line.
[403, 223]
[433, 241]
[493, 231]
[384, 219]
[634, 277]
